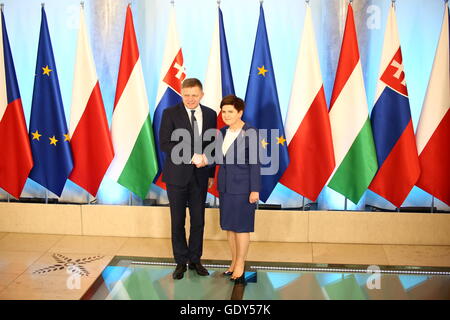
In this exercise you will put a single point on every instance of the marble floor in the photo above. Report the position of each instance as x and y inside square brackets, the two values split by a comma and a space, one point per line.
[41, 266]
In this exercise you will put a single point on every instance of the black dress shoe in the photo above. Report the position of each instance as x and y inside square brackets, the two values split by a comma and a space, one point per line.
[228, 273]
[179, 271]
[199, 268]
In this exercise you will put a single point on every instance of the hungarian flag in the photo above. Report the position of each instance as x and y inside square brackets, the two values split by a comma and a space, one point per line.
[92, 148]
[17, 161]
[392, 124]
[307, 125]
[433, 130]
[169, 89]
[354, 149]
[219, 79]
[135, 164]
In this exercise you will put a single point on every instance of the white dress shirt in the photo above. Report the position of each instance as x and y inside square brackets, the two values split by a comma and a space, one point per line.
[198, 116]
[229, 139]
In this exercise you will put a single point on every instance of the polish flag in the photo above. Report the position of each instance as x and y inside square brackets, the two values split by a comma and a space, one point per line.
[307, 127]
[433, 130]
[16, 160]
[219, 79]
[90, 138]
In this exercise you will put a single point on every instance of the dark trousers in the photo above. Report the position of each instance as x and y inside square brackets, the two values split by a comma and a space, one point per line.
[193, 195]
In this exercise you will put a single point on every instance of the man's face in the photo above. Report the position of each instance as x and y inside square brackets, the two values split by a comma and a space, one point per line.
[191, 97]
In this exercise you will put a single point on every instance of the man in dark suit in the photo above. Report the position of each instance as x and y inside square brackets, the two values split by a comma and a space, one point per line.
[186, 172]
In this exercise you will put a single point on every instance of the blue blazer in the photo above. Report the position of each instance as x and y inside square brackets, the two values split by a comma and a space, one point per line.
[239, 173]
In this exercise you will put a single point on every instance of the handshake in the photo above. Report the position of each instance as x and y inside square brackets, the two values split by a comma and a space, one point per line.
[199, 160]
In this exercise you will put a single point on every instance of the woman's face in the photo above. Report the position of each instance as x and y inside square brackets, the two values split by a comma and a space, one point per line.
[230, 115]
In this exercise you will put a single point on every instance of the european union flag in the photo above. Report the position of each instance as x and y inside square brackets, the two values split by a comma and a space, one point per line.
[263, 112]
[49, 137]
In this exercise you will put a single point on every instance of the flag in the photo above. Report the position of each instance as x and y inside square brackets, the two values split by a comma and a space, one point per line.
[433, 130]
[219, 79]
[169, 89]
[263, 110]
[89, 132]
[354, 149]
[17, 161]
[48, 131]
[392, 124]
[134, 165]
[307, 126]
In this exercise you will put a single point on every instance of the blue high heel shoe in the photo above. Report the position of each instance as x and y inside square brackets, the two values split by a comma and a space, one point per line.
[240, 280]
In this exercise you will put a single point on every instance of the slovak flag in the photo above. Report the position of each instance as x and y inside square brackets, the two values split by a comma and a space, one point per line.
[433, 130]
[169, 89]
[218, 80]
[392, 125]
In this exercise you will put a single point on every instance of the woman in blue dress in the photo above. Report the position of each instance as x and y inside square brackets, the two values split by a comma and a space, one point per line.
[238, 182]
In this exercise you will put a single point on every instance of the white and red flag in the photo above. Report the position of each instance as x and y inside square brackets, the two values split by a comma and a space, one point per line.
[307, 125]
[90, 137]
[433, 130]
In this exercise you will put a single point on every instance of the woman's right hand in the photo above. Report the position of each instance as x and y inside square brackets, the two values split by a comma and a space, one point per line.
[254, 197]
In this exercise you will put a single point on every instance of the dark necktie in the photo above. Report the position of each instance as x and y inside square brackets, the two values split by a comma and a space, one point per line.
[197, 141]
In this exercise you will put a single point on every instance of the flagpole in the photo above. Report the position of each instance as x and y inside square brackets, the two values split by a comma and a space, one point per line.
[303, 202]
[130, 199]
[7, 194]
[432, 204]
[345, 204]
[46, 191]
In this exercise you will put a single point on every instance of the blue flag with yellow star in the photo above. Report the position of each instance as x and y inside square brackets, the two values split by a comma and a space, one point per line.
[263, 112]
[49, 136]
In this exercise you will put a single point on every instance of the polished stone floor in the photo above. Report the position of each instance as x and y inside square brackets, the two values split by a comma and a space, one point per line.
[43, 266]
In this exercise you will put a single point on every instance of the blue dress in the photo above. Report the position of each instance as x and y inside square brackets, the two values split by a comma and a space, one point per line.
[239, 174]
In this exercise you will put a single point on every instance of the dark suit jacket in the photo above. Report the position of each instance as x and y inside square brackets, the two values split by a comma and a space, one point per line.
[241, 175]
[176, 117]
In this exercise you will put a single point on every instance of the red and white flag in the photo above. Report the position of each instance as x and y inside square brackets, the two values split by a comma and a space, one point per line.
[218, 79]
[90, 137]
[433, 131]
[307, 126]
